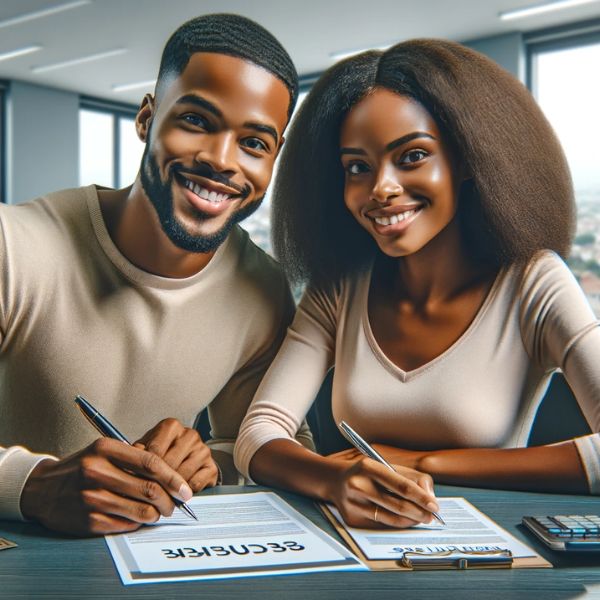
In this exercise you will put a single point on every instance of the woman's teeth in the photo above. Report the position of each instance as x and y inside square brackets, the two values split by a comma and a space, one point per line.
[204, 193]
[395, 218]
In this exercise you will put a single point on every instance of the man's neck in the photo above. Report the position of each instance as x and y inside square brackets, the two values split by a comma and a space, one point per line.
[135, 230]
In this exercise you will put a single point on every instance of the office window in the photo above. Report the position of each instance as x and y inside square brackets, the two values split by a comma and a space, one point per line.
[109, 149]
[565, 83]
[258, 225]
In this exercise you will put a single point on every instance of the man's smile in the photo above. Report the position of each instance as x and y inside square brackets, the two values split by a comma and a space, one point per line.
[210, 198]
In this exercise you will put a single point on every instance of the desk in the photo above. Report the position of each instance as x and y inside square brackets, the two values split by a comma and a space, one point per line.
[48, 566]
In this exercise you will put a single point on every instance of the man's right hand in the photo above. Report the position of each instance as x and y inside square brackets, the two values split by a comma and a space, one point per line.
[108, 487]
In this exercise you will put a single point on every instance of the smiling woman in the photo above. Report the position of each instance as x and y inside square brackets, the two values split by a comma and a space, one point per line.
[426, 201]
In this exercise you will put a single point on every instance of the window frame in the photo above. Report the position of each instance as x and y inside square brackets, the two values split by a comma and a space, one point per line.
[575, 35]
[3, 139]
[117, 110]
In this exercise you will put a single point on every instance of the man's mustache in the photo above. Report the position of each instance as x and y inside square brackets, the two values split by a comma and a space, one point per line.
[209, 173]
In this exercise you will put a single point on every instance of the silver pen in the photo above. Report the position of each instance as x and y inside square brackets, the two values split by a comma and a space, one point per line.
[107, 429]
[372, 453]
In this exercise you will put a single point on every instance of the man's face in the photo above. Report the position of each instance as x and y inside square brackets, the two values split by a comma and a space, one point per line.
[210, 147]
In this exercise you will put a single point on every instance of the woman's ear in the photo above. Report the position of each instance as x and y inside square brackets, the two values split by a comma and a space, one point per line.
[144, 117]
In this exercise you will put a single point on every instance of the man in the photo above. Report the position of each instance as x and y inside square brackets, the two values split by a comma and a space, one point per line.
[149, 301]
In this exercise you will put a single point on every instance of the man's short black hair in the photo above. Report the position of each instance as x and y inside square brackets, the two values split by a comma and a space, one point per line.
[229, 34]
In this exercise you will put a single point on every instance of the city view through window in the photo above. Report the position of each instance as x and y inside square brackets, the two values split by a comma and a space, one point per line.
[567, 88]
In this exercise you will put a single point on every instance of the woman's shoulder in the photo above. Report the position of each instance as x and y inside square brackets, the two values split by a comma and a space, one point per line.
[542, 272]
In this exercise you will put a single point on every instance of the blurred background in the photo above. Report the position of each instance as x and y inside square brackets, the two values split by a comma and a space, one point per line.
[72, 75]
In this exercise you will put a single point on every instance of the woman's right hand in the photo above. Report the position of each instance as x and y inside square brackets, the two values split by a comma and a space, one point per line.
[369, 495]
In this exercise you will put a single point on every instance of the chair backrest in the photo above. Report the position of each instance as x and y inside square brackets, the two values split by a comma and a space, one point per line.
[559, 417]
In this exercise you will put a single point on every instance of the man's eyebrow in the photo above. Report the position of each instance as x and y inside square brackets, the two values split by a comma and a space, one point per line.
[408, 138]
[353, 151]
[201, 103]
[260, 127]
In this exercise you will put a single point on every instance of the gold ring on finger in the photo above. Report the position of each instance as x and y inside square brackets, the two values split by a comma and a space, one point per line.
[376, 511]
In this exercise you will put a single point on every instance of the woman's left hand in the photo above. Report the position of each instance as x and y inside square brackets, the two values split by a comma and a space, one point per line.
[395, 456]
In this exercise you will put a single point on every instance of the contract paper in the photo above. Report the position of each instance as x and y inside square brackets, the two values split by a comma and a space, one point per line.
[466, 530]
[238, 535]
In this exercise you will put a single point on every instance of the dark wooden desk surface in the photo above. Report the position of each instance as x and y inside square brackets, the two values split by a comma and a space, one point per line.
[48, 566]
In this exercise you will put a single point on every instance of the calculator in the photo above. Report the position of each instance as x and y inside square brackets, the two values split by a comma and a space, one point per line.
[572, 532]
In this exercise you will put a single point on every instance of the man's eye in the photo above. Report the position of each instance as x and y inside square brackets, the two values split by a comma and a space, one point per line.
[196, 120]
[356, 168]
[254, 144]
[413, 156]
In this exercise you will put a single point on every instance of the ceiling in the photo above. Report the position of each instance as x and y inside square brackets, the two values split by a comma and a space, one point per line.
[309, 29]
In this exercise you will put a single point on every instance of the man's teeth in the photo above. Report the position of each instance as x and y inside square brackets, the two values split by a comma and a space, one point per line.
[395, 218]
[204, 193]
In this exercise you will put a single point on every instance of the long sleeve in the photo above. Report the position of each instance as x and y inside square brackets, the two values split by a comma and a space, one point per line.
[16, 463]
[560, 331]
[293, 380]
[229, 408]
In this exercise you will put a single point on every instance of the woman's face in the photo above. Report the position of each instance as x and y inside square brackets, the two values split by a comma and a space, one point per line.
[401, 182]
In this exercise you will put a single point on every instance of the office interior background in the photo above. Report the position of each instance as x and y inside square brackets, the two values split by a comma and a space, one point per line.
[73, 73]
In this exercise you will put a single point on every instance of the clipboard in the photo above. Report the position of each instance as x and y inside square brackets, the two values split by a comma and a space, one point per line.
[436, 562]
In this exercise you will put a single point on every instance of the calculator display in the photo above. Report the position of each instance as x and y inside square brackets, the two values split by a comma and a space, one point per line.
[567, 532]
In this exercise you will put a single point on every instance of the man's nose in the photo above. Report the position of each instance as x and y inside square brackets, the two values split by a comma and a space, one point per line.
[387, 185]
[220, 152]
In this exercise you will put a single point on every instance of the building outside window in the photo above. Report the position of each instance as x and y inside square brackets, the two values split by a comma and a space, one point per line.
[564, 80]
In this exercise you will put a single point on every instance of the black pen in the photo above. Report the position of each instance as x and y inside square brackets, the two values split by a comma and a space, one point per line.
[107, 429]
[372, 453]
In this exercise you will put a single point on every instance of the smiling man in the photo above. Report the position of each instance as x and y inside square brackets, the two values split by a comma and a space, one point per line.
[149, 301]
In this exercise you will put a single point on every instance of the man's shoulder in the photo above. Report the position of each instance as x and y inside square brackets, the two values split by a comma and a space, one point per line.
[254, 263]
[47, 210]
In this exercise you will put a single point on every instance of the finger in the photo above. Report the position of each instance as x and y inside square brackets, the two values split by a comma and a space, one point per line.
[197, 460]
[161, 437]
[102, 524]
[203, 477]
[113, 479]
[106, 502]
[401, 485]
[144, 463]
[400, 510]
[182, 448]
[392, 519]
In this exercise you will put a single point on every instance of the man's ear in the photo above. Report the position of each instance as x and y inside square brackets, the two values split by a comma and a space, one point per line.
[144, 117]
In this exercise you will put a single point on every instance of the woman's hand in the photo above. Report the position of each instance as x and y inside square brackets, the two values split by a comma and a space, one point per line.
[370, 495]
[396, 456]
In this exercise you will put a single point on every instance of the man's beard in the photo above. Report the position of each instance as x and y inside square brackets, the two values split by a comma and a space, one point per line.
[161, 196]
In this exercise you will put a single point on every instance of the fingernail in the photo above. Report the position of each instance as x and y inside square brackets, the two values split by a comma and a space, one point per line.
[185, 492]
[431, 507]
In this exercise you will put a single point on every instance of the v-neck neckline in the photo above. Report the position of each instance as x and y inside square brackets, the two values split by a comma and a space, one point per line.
[392, 367]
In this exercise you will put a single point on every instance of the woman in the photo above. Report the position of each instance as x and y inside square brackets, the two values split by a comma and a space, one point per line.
[427, 202]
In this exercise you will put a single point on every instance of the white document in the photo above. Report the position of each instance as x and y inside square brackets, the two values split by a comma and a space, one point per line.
[238, 535]
[466, 530]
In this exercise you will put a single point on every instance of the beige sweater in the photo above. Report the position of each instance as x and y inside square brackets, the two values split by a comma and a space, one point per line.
[484, 391]
[77, 318]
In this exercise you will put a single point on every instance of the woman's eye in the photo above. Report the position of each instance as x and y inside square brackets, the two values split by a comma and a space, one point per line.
[254, 144]
[356, 168]
[196, 121]
[414, 156]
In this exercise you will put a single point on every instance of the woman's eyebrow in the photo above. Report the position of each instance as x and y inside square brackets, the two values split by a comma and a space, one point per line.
[408, 138]
[353, 151]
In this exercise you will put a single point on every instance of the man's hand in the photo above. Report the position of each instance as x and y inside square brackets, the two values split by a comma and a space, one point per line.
[184, 451]
[108, 487]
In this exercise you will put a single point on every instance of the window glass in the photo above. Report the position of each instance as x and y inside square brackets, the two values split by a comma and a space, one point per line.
[569, 94]
[258, 225]
[130, 152]
[96, 148]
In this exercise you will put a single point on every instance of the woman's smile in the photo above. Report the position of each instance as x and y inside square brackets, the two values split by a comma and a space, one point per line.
[401, 182]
